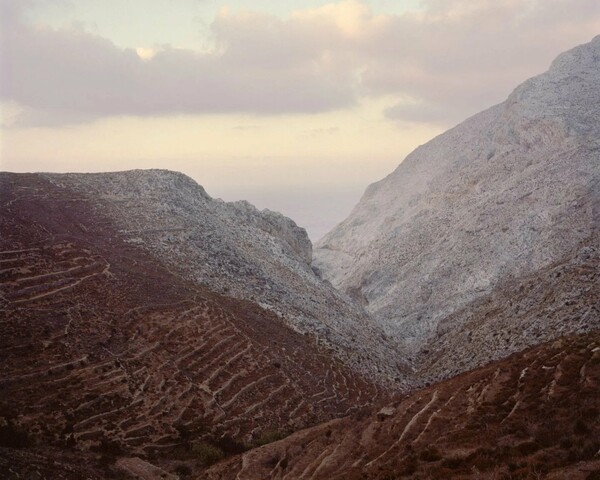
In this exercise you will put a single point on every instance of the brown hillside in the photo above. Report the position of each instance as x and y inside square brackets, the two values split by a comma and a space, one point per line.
[534, 415]
[104, 353]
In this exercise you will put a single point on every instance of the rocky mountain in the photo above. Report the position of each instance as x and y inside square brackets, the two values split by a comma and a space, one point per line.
[234, 249]
[106, 354]
[485, 240]
[533, 415]
[149, 331]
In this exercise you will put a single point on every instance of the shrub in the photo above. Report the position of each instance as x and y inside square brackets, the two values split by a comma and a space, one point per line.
[207, 454]
[519, 429]
[547, 435]
[269, 436]
[183, 470]
[430, 454]
[527, 448]
[590, 412]
[12, 437]
[442, 473]
[590, 449]
[229, 445]
[183, 431]
[514, 466]
[566, 443]
[453, 462]
[272, 461]
[580, 427]
[409, 465]
[483, 459]
[109, 448]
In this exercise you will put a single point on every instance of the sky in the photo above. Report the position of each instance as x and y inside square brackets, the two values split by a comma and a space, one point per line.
[293, 105]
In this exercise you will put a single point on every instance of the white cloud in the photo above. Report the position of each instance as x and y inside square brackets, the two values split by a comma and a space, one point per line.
[451, 58]
[349, 18]
[146, 53]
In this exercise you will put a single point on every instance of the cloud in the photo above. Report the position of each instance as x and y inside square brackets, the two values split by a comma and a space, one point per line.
[324, 131]
[454, 58]
[146, 53]
[442, 62]
[419, 113]
[72, 74]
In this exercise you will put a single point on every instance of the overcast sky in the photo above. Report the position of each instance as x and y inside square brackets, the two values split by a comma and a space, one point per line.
[294, 105]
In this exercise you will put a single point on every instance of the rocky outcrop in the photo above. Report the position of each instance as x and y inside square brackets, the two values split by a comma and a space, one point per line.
[561, 298]
[508, 193]
[277, 225]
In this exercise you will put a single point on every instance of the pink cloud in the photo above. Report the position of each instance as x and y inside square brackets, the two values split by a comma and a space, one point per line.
[452, 58]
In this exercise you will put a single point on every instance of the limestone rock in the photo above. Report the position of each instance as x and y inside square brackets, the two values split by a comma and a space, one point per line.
[504, 195]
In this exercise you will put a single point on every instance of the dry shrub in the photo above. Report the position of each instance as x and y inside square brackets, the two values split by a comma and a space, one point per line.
[183, 470]
[454, 463]
[547, 435]
[527, 448]
[269, 436]
[13, 437]
[207, 454]
[430, 454]
[483, 458]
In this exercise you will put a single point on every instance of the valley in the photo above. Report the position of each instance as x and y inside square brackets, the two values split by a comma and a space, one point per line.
[448, 328]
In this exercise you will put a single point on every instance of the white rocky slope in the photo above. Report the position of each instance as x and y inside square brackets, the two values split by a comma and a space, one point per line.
[234, 249]
[510, 192]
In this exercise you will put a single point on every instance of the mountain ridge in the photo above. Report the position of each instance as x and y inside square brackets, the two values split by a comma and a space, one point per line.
[106, 353]
[481, 204]
[237, 250]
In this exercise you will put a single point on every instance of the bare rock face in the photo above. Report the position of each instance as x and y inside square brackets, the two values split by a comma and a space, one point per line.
[558, 299]
[234, 249]
[277, 225]
[502, 197]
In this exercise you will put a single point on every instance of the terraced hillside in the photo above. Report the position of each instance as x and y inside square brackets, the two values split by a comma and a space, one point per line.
[534, 415]
[106, 354]
[235, 249]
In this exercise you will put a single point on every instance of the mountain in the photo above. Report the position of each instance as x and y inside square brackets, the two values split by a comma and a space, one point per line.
[150, 331]
[532, 415]
[239, 251]
[485, 239]
[105, 353]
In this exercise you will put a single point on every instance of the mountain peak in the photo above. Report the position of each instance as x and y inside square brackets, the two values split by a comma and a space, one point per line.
[505, 197]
